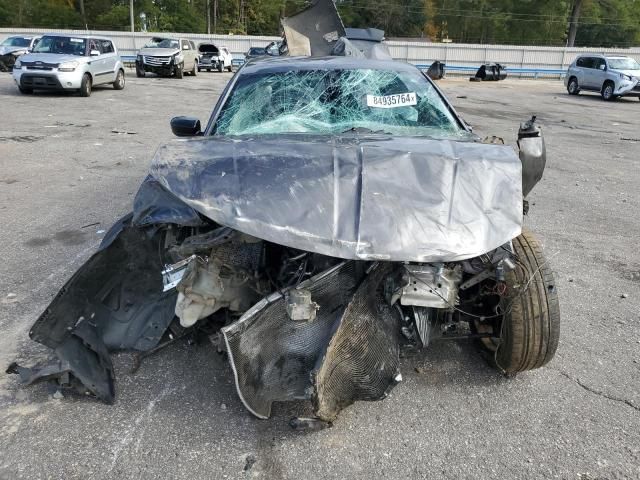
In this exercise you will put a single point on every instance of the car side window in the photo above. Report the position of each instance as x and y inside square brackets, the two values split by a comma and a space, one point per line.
[581, 62]
[185, 45]
[94, 45]
[107, 46]
[193, 45]
[599, 63]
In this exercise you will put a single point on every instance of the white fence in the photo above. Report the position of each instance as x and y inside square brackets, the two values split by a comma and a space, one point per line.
[459, 58]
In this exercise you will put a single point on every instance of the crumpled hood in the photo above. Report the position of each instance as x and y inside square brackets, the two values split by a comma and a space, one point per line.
[51, 58]
[159, 52]
[386, 198]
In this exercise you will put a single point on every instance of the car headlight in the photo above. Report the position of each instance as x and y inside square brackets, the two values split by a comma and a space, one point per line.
[18, 64]
[67, 66]
[178, 57]
[626, 77]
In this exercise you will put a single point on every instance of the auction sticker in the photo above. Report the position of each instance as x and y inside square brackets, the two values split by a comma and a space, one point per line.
[392, 101]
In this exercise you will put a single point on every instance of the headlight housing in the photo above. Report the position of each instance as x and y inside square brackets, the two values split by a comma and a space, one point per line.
[178, 58]
[67, 66]
[18, 64]
[626, 77]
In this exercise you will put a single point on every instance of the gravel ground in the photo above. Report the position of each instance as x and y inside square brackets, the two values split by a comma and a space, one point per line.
[69, 167]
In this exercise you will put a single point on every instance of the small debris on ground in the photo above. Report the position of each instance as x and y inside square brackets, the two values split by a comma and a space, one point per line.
[223, 406]
[58, 395]
[123, 132]
[249, 461]
[624, 295]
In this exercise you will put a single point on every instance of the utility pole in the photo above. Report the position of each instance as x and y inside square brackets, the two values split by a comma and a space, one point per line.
[208, 17]
[131, 15]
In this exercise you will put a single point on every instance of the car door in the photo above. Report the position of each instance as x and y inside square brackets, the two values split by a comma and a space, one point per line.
[188, 54]
[227, 57]
[96, 62]
[108, 73]
[599, 73]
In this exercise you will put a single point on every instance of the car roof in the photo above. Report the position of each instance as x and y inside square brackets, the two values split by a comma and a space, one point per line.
[84, 37]
[283, 63]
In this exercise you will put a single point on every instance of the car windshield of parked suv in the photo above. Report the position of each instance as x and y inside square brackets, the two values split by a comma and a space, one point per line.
[163, 43]
[623, 64]
[257, 51]
[61, 45]
[15, 42]
[337, 101]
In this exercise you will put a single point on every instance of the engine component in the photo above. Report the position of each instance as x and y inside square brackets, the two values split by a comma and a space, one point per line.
[206, 287]
[221, 282]
[300, 307]
[430, 285]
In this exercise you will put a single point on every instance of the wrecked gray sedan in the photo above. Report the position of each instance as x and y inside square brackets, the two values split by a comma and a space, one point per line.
[333, 212]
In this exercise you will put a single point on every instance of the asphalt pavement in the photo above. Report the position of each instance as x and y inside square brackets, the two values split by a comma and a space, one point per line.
[69, 167]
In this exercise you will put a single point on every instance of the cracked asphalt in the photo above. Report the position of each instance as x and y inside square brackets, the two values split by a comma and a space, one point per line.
[69, 167]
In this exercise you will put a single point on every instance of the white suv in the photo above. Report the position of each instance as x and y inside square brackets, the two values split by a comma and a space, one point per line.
[63, 62]
[612, 77]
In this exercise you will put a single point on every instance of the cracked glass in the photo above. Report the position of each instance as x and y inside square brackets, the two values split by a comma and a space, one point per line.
[336, 101]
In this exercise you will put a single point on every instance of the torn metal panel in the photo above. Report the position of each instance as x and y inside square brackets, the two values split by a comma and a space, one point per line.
[314, 31]
[82, 363]
[119, 290]
[368, 198]
[533, 154]
[361, 361]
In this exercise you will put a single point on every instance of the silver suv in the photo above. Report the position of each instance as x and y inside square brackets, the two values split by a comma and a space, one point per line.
[167, 57]
[612, 76]
[63, 62]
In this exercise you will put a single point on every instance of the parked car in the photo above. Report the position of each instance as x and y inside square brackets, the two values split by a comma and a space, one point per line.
[168, 57]
[332, 212]
[611, 76]
[63, 62]
[12, 47]
[213, 57]
[255, 52]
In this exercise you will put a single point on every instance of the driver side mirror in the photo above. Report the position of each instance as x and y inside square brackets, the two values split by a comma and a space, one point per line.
[186, 127]
[603, 68]
[94, 53]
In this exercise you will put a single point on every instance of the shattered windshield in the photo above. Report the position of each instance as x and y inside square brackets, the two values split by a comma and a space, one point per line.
[623, 64]
[15, 42]
[162, 43]
[336, 101]
[61, 45]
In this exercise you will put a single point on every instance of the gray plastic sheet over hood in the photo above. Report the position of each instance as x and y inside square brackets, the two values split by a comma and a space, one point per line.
[353, 197]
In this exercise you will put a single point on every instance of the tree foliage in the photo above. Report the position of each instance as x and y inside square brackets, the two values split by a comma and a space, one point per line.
[543, 22]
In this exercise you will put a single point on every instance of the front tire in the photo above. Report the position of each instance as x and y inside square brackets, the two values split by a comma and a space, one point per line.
[180, 71]
[230, 68]
[139, 72]
[119, 83]
[85, 86]
[530, 327]
[607, 91]
[572, 87]
[220, 67]
[195, 70]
